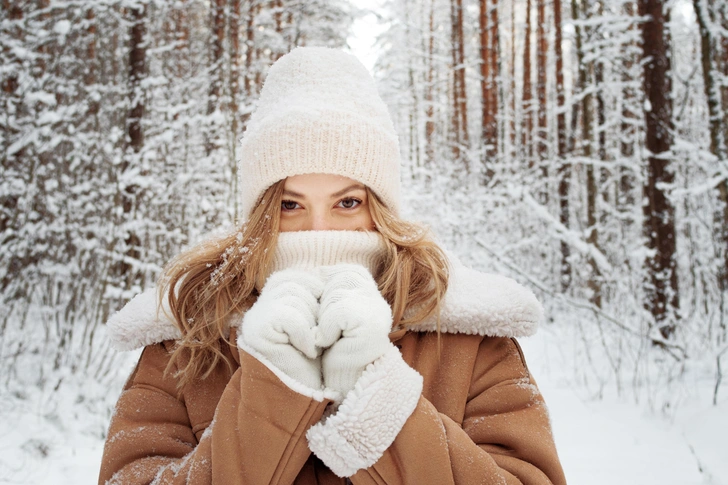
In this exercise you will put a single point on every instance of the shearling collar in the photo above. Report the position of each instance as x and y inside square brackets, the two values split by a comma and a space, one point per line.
[475, 303]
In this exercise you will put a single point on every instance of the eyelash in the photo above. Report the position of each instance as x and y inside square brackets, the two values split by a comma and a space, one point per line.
[284, 202]
[338, 204]
[358, 202]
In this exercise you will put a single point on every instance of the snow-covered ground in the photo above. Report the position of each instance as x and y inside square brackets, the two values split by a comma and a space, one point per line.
[613, 440]
[57, 438]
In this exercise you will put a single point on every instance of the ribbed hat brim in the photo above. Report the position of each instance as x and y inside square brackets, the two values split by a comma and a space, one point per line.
[296, 142]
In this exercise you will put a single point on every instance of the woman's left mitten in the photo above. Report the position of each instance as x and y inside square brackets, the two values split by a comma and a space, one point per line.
[353, 326]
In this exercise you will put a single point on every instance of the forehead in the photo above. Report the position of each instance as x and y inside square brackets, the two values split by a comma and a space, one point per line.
[318, 183]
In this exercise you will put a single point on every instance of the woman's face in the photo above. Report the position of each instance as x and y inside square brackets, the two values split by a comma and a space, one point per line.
[324, 202]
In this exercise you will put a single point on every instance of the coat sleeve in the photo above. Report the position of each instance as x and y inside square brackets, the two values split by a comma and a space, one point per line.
[505, 436]
[250, 441]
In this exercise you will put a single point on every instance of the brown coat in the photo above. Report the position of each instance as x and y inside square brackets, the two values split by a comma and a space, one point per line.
[478, 419]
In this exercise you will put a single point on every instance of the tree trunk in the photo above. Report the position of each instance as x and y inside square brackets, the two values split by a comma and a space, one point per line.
[182, 40]
[659, 215]
[14, 13]
[625, 199]
[712, 91]
[494, 72]
[217, 74]
[278, 15]
[234, 35]
[717, 130]
[249, 50]
[124, 270]
[541, 69]
[460, 112]
[413, 125]
[137, 72]
[723, 15]
[564, 171]
[488, 74]
[429, 89]
[11, 163]
[513, 96]
[580, 82]
[560, 96]
[527, 133]
[90, 78]
[585, 108]
[595, 282]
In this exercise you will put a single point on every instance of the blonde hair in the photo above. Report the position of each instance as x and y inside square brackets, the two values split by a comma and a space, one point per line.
[215, 282]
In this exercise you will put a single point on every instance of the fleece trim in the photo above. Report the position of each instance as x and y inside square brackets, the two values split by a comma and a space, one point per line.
[475, 303]
[141, 322]
[370, 417]
[485, 304]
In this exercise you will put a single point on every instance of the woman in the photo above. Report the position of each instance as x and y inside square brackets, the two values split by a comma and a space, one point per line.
[328, 341]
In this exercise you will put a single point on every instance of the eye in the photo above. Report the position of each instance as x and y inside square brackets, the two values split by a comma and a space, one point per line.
[349, 203]
[289, 205]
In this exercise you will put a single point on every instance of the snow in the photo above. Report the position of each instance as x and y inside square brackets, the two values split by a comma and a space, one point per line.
[57, 438]
[612, 440]
[364, 32]
[62, 27]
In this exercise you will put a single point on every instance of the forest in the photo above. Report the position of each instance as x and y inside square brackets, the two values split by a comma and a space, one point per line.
[578, 146]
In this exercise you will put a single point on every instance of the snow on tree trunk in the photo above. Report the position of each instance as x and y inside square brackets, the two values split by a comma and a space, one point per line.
[459, 99]
[233, 109]
[527, 129]
[542, 48]
[489, 50]
[716, 122]
[564, 167]
[662, 298]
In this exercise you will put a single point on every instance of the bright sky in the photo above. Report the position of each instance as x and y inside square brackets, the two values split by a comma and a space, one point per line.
[364, 32]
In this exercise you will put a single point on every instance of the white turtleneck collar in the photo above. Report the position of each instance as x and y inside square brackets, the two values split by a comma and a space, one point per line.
[310, 249]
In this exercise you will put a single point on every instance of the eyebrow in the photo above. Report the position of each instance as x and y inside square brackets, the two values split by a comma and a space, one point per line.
[348, 189]
[291, 193]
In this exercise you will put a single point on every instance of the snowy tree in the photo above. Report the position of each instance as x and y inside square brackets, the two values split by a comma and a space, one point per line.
[586, 132]
[120, 123]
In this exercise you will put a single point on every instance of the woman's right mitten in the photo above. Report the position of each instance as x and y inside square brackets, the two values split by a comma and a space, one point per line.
[280, 326]
[353, 326]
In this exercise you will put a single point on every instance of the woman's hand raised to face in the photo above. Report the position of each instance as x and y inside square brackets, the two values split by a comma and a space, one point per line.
[335, 310]
[353, 325]
[281, 325]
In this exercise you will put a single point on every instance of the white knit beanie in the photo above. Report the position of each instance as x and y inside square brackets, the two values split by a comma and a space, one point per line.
[319, 112]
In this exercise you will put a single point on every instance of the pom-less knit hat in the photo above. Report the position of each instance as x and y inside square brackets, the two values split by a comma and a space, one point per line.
[319, 112]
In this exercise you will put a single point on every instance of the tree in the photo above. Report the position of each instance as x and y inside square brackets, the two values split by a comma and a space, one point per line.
[630, 109]
[542, 49]
[217, 68]
[489, 52]
[128, 190]
[459, 99]
[527, 133]
[585, 109]
[564, 170]
[716, 114]
[430, 86]
[659, 215]
[234, 87]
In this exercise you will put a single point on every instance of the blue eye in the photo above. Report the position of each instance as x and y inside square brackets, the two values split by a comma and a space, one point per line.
[349, 203]
[289, 205]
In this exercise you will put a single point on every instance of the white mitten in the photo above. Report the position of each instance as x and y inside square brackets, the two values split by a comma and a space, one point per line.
[281, 325]
[354, 324]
